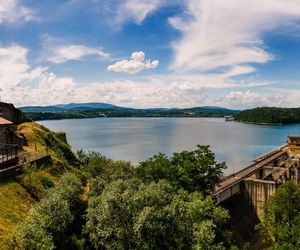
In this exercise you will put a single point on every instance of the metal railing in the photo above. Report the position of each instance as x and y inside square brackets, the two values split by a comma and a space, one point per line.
[8, 152]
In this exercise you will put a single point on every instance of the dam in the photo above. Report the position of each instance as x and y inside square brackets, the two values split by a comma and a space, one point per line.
[257, 182]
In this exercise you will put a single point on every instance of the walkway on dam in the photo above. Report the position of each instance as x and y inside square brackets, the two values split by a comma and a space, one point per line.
[236, 178]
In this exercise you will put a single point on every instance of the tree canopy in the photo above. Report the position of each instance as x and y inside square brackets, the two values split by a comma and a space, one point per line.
[195, 170]
[269, 115]
[281, 222]
[129, 214]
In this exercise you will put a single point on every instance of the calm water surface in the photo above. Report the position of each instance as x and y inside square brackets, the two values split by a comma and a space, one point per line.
[136, 139]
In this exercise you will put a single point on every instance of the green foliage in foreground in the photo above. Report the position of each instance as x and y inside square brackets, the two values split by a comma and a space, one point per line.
[47, 222]
[131, 215]
[281, 222]
[269, 115]
[163, 203]
[191, 170]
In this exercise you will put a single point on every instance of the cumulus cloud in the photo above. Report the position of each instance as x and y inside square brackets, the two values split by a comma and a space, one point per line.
[136, 64]
[67, 52]
[228, 33]
[20, 83]
[11, 11]
[249, 99]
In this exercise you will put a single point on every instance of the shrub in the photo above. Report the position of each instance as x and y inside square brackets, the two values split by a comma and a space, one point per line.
[46, 182]
[47, 222]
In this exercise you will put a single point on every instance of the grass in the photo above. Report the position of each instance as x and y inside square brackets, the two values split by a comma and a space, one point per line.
[30, 131]
[15, 203]
[39, 138]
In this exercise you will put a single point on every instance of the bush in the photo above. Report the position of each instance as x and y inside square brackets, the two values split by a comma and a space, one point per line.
[97, 165]
[47, 222]
[46, 182]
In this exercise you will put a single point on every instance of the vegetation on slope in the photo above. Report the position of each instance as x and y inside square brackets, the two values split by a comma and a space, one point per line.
[269, 115]
[18, 195]
[15, 203]
[123, 209]
[38, 137]
[46, 225]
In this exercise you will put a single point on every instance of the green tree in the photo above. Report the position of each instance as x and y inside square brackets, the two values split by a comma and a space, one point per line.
[281, 222]
[47, 222]
[192, 170]
[69, 189]
[131, 215]
[96, 164]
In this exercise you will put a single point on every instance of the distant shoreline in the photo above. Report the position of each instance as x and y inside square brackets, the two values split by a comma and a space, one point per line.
[148, 117]
[264, 123]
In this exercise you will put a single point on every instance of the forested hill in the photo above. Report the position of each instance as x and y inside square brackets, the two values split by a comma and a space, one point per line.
[127, 112]
[269, 115]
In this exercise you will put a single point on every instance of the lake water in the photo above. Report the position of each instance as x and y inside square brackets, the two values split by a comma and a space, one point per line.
[137, 139]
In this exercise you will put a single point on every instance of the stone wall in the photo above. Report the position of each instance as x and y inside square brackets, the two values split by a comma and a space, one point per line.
[8, 136]
[9, 112]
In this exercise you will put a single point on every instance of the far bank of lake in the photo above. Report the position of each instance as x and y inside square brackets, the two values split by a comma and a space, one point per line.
[136, 139]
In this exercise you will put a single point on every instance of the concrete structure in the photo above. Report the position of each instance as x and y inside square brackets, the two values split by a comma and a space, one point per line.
[294, 144]
[8, 135]
[9, 112]
[11, 143]
[9, 116]
[260, 180]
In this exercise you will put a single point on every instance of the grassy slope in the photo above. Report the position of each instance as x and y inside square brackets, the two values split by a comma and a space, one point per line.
[15, 197]
[15, 202]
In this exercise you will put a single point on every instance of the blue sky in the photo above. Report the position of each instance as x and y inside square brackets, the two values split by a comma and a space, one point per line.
[151, 53]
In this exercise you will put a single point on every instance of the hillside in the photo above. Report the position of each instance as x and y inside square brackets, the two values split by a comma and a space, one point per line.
[18, 195]
[70, 106]
[269, 115]
[93, 110]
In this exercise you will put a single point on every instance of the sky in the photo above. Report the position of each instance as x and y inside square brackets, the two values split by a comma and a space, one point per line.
[151, 53]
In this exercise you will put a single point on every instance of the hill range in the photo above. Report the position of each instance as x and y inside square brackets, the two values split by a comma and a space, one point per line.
[93, 110]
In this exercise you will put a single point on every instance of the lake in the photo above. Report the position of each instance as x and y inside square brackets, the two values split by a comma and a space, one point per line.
[137, 139]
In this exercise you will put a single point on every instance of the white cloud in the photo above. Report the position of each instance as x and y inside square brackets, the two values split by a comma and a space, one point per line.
[238, 70]
[22, 84]
[228, 33]
[118, 12]
[136, 64]
[67, 52]
[249, 99]
[11, 11]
